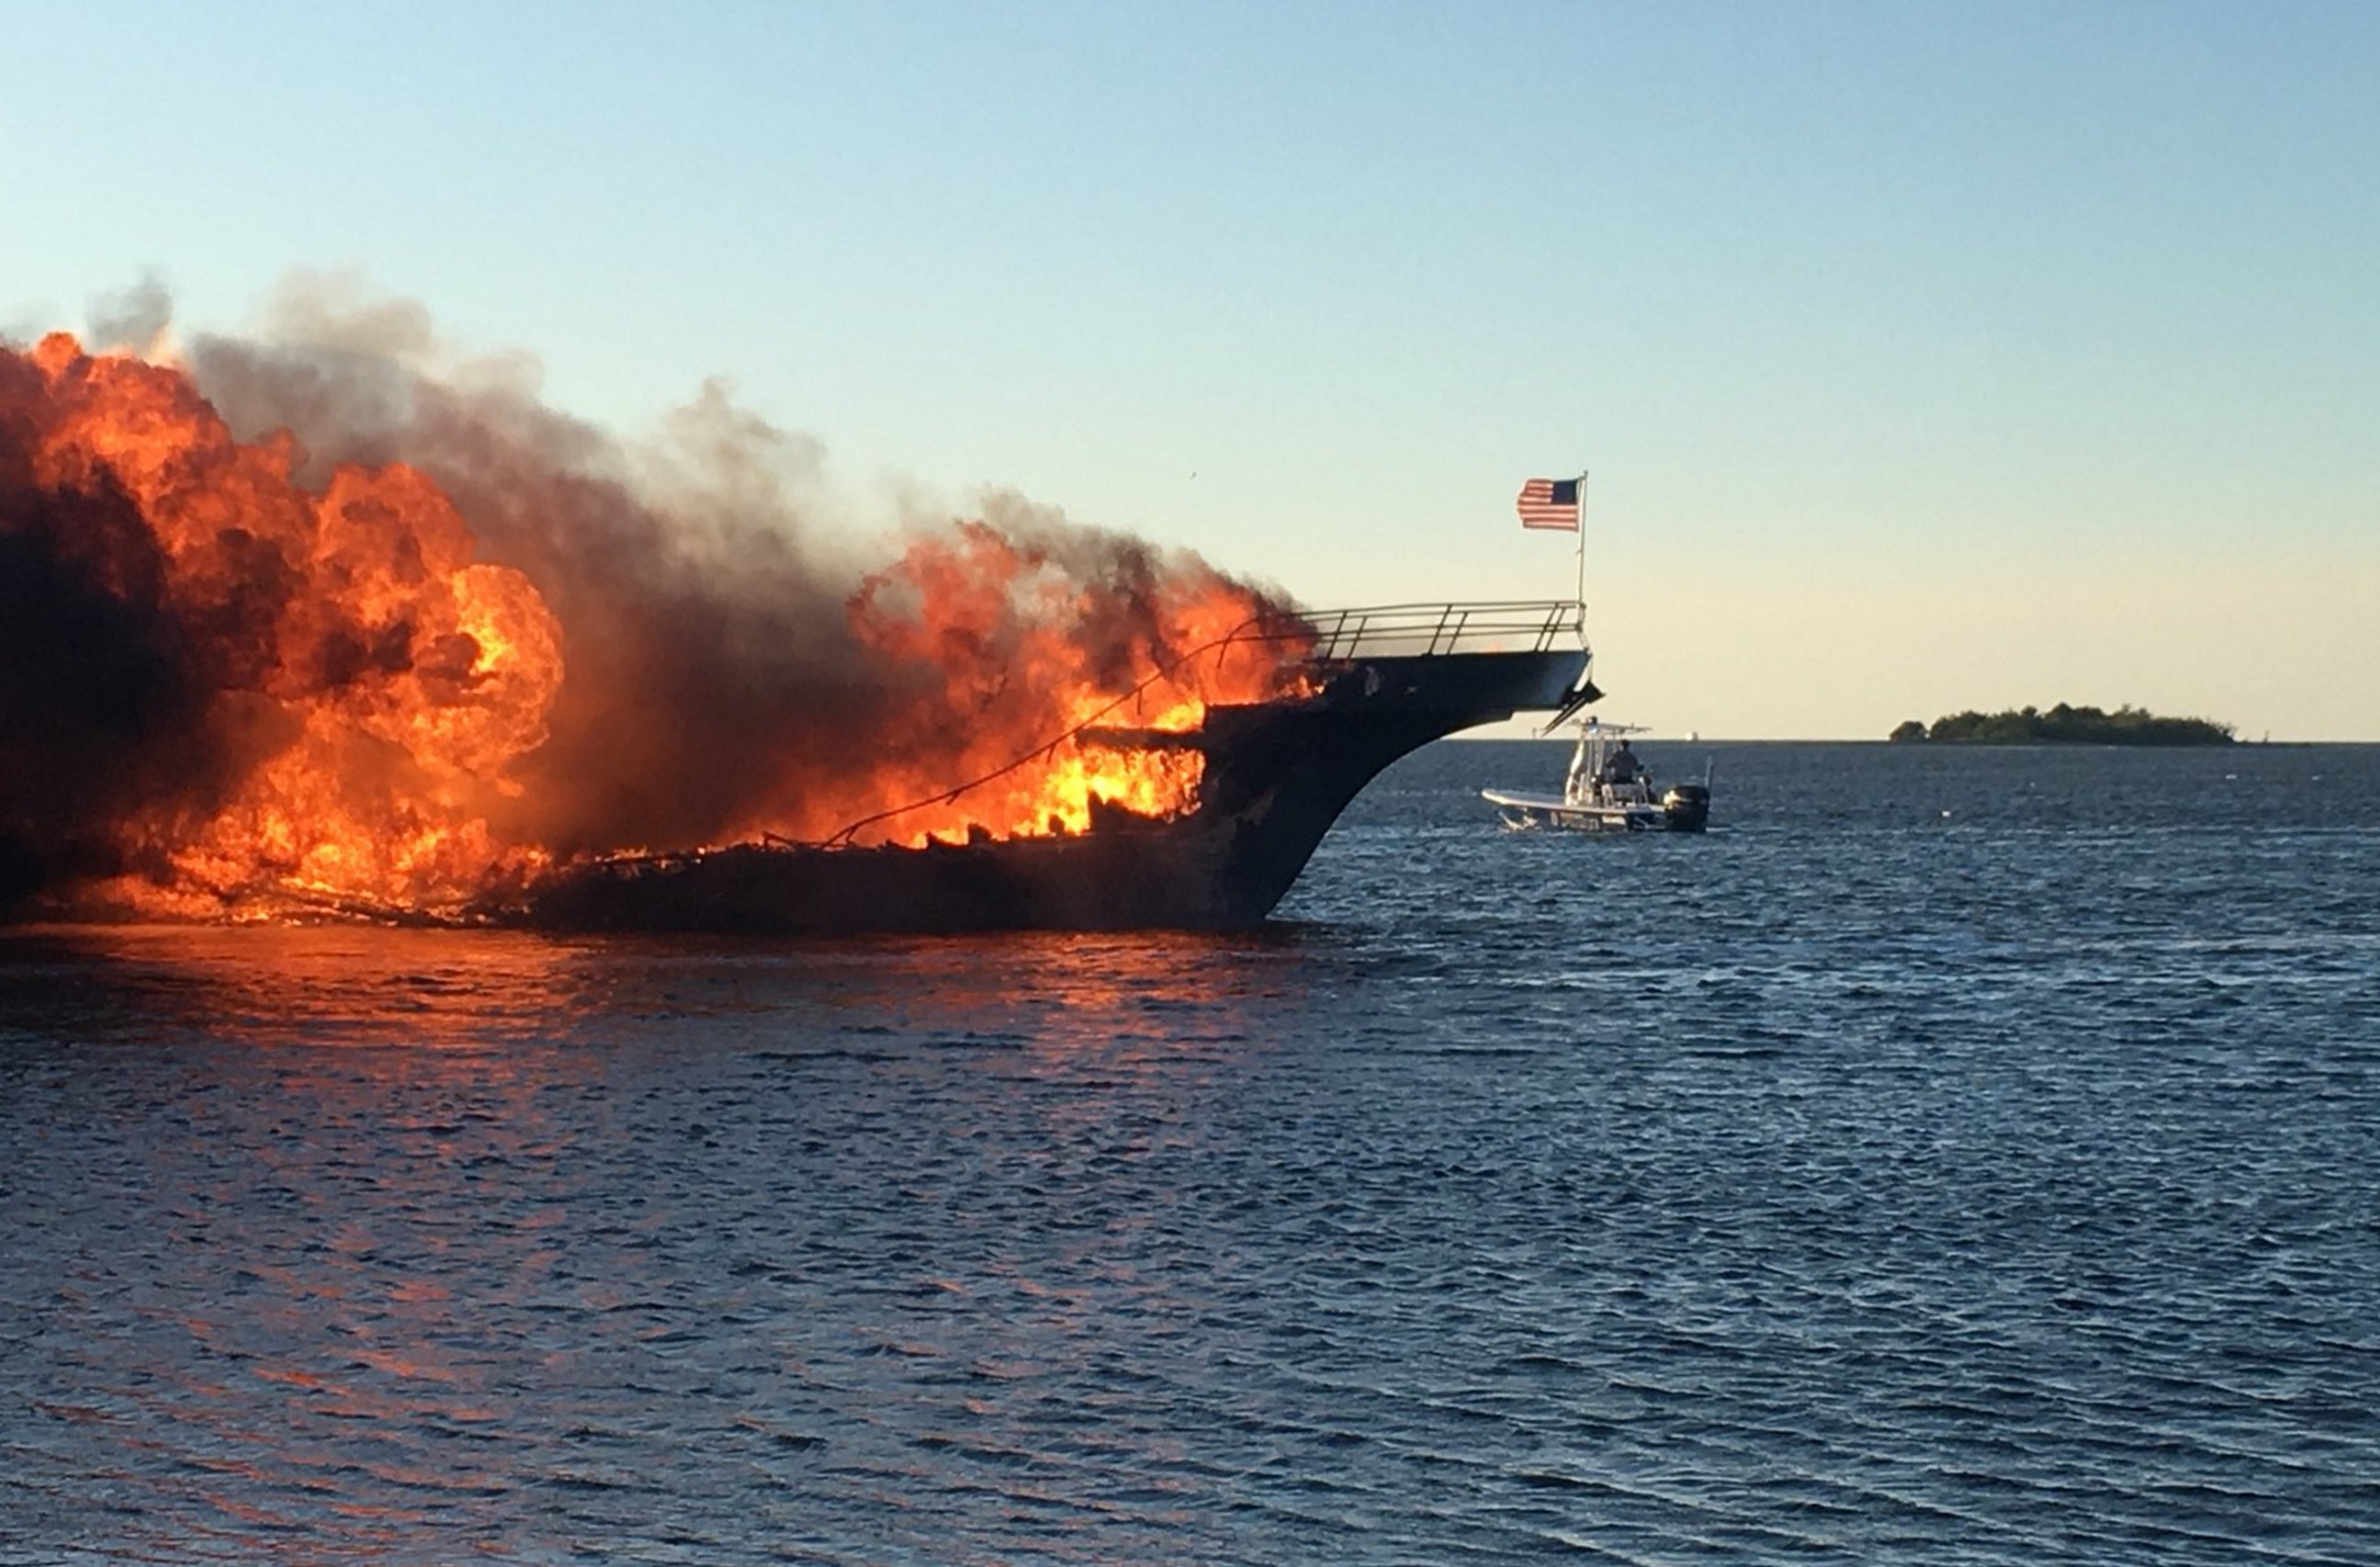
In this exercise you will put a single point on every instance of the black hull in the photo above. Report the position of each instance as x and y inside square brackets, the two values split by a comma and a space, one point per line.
[1276, 777]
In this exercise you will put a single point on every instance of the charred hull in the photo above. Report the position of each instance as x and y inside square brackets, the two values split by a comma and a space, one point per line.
[1275, 776]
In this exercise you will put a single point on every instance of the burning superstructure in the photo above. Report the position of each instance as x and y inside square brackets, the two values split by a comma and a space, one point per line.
[441, 656]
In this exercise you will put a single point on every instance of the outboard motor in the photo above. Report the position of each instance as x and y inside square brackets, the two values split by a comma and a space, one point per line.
[1686, 807]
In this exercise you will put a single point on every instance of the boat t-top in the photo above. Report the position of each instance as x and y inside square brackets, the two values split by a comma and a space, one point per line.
[1608, 790]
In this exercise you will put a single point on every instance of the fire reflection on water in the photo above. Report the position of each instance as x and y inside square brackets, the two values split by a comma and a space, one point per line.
[337, 1157]
[342, 986]
[414, 1235]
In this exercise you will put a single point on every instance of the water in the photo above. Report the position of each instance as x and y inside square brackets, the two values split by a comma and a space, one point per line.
[1953, 1157]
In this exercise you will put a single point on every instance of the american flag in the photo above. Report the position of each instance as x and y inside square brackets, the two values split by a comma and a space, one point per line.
[1550, 503]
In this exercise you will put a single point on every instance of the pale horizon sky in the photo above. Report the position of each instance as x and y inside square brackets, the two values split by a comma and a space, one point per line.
[1924, 356]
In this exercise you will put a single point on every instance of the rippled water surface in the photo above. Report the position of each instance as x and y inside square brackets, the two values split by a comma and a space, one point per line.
[1967, 1156]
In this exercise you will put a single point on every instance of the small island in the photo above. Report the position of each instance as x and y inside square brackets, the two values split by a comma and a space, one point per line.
[2064, 726]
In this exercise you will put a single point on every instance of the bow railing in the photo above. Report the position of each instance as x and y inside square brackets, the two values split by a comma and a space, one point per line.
[1531, 625]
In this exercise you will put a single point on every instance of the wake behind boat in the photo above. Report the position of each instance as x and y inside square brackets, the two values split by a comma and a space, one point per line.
[1608, 790]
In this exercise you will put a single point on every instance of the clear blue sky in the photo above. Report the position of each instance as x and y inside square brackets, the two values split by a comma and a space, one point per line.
[1924, 356]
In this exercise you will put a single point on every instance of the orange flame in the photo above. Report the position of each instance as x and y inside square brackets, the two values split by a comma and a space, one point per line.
[392, 677]
[1006, 657]
[374, 690]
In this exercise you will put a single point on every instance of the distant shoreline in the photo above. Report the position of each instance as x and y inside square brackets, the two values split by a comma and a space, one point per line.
[2064, 726]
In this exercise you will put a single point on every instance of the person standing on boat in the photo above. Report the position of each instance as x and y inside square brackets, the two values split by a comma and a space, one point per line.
[1622, 766]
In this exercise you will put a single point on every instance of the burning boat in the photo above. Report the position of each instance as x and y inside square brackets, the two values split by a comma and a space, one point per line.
[467, 663]
[1272, 777]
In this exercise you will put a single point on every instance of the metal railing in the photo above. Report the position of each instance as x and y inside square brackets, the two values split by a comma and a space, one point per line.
[1428, 630]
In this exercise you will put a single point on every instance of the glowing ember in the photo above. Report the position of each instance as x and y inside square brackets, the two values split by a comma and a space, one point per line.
[227, 691]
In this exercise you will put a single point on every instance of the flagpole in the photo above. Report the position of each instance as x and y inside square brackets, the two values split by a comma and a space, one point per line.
[1582, 549]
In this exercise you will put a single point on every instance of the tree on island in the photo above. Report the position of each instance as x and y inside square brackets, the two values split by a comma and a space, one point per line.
[2064, 726]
